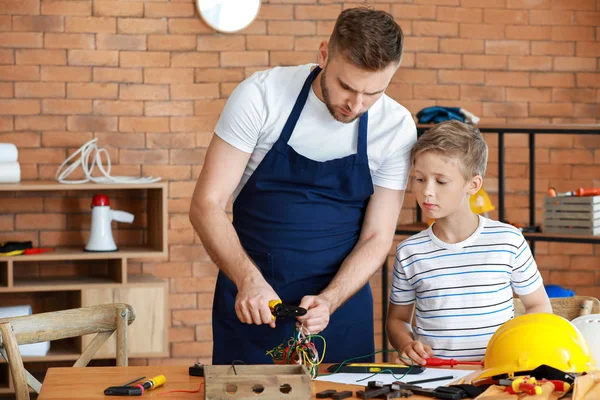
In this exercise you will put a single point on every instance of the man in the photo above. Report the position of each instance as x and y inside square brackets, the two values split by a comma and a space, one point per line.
[317, 182]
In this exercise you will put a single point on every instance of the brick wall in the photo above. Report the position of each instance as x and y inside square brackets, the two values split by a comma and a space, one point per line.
[149, 78]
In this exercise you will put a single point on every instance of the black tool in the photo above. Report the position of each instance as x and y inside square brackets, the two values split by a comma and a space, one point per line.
[280, 310]
[125, 389]
[439, 378]
[197, 370]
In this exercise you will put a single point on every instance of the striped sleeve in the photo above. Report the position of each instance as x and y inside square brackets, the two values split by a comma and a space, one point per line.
[525, 277]
[401, 292]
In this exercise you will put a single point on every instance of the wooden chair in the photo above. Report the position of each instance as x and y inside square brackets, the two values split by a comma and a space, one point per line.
[101, 319]
[567, 307]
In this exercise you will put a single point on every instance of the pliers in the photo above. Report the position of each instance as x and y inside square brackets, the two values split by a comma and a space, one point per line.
[280, 310]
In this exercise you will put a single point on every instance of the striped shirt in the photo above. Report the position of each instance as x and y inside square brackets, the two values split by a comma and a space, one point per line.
[463, 291]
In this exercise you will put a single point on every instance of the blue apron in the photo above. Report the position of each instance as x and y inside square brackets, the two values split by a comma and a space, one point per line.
[298, 219]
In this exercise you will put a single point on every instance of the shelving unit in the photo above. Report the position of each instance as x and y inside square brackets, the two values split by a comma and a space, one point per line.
[532, 237]
[70, 277]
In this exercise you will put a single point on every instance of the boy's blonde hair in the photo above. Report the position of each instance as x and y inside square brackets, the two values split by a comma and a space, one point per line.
[454, 139]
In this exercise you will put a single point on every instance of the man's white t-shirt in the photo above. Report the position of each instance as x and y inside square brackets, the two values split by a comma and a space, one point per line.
[258, 108]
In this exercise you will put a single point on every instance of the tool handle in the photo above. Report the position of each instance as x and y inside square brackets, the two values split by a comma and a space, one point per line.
[587, 192]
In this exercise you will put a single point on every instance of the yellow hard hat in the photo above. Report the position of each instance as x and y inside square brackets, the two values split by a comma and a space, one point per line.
[528, 341]
[480, 202]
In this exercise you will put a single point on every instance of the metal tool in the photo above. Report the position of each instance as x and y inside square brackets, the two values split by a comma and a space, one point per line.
[280, 310]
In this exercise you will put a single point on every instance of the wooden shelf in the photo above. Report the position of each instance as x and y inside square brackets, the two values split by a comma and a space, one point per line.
[75, 283]
[77, 253]
[45, 186]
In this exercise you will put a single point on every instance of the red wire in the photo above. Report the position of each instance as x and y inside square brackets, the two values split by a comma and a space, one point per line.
[183, 390]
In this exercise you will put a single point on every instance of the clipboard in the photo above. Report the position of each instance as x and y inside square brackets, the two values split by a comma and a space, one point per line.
[372, 368]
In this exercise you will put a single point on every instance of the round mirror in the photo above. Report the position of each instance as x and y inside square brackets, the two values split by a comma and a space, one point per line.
[228, 15]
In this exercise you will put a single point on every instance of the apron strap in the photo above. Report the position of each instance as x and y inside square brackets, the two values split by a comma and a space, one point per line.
[361, 149]
[290, 124]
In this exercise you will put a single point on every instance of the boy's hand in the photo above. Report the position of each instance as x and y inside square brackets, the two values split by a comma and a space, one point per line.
[416, 351]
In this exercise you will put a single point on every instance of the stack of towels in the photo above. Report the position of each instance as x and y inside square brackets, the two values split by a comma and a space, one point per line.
[10, 170]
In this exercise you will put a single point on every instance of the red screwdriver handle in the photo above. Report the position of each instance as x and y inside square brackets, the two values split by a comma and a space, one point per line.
[439, 362]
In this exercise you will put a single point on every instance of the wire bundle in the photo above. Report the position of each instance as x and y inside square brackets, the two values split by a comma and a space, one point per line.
[299, 350]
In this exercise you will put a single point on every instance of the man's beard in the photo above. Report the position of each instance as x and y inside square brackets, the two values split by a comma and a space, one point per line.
[327, 100]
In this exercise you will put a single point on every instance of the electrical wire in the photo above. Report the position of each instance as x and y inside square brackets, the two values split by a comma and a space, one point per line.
[90, 156]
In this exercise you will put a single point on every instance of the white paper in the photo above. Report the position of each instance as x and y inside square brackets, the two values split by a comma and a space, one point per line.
[386, 378]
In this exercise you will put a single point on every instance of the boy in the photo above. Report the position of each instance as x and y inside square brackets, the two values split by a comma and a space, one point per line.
[462, 270]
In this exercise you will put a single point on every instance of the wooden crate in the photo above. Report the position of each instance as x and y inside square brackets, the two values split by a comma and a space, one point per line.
[575, 215]
[255, 382]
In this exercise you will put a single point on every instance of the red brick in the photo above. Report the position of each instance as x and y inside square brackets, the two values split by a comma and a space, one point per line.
[193, 124]
[574, 4]
[585, 172]
[576, 33]
[132, 75]
[168, 75]
[6, 124]
[168, 108]
[551, 79]
[296, 28]
[69, 41]
[438, 29]
[573, 95]
[529, 94]
[60, 7]
[94, 57]
[20, 39]
[529, 4]
[552, 48]
[191, 157]
[461, 46]
[193, 349]
[194, 59]
[41, 123]
[260, 42]
[278, 58]
[413, 12]
[440, 2]
[583, 80]
[173, 141]
[188, 26]
[585, 18]
[446, 92]
[103, 8]
[6, 23]
[121, 141]
[7, 223]
[6, 90]
[519, 32]
[482, 93]
[191, 285]
[7, 56]
[484, 62]
[19, 7]
[459, 14]
[588, 49]
[507, 17]
[116, 107]
[324, 28]
[575, 64]
[244, 58]
[221, 43]
[168, 10]
[529, 63]
[481, 31]
[173, 173]
[41, 57]
[144, 92]
[551, 110]
[505, 110]
[144, 157]
[19, 107]
[190, 92]
[208, 107]
[204, 332]
[443, 61]
[66, 107]
[416, 76]
[143, 124]
[255, 28]
[38, 23]
[412, 44]
[92, 90]
[27, 221]
[120, 42]
[506, 78]
[94, 124]
[144, 59]
[172, 42]
[226, 89]
[141, 26]
[180, 334]
[550, 17]
[276, 11]
[91, 24]
[586, 110]
[19, 73]
[311, 12]
[508, 47]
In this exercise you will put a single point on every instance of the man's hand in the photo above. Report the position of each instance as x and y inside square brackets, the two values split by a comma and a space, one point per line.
[416, 351]
[252, 302]
[317, 316]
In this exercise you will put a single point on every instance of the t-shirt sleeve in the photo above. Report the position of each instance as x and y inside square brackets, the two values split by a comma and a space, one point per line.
[525, 277]
[401, 292]
[243, 116]
[393, 171]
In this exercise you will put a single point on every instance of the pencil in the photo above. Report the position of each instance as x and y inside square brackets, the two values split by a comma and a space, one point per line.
[439, 378]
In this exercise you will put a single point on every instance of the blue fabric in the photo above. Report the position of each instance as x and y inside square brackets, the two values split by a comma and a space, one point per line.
[436, 114]
[558, 291]
[298, 219]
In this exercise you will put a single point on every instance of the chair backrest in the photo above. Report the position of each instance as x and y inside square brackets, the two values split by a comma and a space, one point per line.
[102, 320]
[567, 307]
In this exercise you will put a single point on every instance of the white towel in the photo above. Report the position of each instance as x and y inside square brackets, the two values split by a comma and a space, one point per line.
[10, 172]
[8, 153]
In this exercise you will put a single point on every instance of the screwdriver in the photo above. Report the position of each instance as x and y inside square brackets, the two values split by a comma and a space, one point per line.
[439, 362]
[155, 382]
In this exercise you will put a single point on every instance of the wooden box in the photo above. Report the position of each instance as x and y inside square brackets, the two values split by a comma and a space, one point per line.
[257, 382]
[576, 215]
